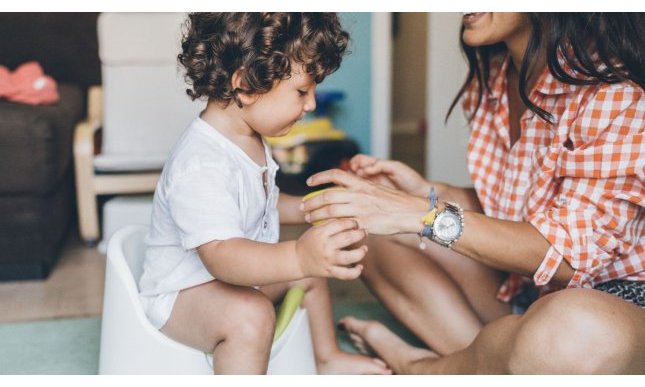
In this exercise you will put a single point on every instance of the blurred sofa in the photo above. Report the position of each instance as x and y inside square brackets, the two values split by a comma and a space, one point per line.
[36, 172]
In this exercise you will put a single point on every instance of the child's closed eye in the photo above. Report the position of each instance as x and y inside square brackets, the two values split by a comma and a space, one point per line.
[302, 93]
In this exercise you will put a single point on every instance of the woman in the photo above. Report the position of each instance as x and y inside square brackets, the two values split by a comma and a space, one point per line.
[557, 157]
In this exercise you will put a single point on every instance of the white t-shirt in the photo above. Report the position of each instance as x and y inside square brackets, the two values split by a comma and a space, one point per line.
[209, 190]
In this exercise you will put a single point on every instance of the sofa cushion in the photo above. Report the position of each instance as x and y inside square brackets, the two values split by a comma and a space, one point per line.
[35, 142]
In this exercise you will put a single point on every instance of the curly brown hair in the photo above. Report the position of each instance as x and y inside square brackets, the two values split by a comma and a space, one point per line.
[262, 44]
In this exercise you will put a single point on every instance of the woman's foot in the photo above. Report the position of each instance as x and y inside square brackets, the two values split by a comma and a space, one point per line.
[372, 337]
[342, 363]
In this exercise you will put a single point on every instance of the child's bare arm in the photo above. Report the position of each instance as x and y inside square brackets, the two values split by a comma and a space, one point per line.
[320, 252]
[289, 209]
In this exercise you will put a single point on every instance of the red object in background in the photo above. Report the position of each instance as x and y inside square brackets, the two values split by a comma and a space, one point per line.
[422, 126]
[344, 164]
[28, 84]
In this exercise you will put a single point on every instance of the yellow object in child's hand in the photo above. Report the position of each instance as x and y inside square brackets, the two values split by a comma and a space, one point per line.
[316, 193]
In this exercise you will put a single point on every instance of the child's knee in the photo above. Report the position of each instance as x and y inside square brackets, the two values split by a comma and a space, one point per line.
[254, 316]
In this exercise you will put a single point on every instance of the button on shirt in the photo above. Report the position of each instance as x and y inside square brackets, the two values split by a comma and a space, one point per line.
[580, 182]
[210, 189]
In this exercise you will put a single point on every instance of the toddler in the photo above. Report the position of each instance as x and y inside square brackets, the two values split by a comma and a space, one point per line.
[213, 265]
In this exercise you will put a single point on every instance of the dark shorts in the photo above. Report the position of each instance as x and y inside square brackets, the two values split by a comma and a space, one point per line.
[630, 291]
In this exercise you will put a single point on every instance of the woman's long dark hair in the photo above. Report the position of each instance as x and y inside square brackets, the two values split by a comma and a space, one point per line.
[598, 47]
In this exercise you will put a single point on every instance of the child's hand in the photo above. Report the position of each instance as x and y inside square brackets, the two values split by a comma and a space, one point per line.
[321, 250]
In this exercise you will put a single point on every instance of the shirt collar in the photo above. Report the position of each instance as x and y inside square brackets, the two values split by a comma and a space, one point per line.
[547, 84]
[497, 77]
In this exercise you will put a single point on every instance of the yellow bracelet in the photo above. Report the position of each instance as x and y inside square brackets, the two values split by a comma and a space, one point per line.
[428, 219]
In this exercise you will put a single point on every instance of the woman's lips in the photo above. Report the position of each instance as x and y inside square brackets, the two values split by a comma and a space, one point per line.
[471, 17]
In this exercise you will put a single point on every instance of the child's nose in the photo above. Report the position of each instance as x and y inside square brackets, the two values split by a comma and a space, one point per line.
[310, 104]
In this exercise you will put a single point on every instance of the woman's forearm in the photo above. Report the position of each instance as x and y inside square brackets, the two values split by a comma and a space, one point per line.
[501, 244]
[516, 247]
[466, 197]
[505, 245]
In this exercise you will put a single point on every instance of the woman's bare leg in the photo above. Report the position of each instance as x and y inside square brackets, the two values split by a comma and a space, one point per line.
[234, 323]
[329, 358]
[441, 296]
[572, 331]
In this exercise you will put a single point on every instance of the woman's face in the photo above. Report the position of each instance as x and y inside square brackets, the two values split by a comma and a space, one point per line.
[486, 28]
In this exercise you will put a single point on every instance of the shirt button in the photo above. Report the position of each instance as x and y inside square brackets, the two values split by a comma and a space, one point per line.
[265, 224]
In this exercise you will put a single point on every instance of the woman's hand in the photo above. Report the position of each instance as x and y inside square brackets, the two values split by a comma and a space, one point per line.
[323, 251]
[378, 209]
[393, 174]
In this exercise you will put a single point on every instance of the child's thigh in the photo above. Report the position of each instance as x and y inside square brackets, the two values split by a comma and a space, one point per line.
[205, 315]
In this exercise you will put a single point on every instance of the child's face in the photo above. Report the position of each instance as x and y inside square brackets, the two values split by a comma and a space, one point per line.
[274, 113]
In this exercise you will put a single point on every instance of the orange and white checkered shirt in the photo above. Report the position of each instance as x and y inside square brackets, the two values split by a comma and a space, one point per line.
[580, 182]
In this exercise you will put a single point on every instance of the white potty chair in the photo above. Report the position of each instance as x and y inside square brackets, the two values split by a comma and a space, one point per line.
[131, 345]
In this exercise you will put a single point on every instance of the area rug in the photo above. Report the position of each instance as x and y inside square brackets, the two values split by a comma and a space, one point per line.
[71, 346]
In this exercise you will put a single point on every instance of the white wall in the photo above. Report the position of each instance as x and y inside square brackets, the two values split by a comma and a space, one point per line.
[446, 143]
[381, 84]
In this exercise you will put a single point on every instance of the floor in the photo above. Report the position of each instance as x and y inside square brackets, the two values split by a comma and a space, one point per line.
[75, 287]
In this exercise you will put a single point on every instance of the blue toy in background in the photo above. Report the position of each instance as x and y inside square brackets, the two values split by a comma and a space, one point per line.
[311, 146]
[324, 99]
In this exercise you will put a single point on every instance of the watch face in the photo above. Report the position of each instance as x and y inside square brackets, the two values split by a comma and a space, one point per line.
[447, 226]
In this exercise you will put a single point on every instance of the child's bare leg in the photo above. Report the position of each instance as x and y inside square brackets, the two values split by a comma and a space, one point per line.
[329, 358]
[234, 323]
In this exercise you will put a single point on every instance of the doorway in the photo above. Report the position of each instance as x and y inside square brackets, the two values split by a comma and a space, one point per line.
[408, 98]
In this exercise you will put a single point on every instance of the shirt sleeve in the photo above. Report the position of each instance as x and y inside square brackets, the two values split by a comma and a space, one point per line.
[602, 189]
[203, 204]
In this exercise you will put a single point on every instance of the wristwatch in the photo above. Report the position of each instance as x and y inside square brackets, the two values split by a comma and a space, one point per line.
[448, 225]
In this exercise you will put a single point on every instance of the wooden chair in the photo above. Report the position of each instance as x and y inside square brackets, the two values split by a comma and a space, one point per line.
[137, 114]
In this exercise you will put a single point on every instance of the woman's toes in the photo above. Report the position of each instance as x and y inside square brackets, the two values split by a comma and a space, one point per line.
[380, 362]
[360, 344]
[351, 324]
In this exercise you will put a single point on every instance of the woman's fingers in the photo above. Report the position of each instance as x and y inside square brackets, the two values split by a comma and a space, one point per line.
[360, 161]
[387, 167]
[335, 176]
[326, 198]
[331, 211]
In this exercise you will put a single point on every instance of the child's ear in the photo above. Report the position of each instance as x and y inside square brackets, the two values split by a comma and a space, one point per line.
[240, 96]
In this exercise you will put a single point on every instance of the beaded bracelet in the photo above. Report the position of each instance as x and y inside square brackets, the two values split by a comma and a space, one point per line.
[428, 219]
